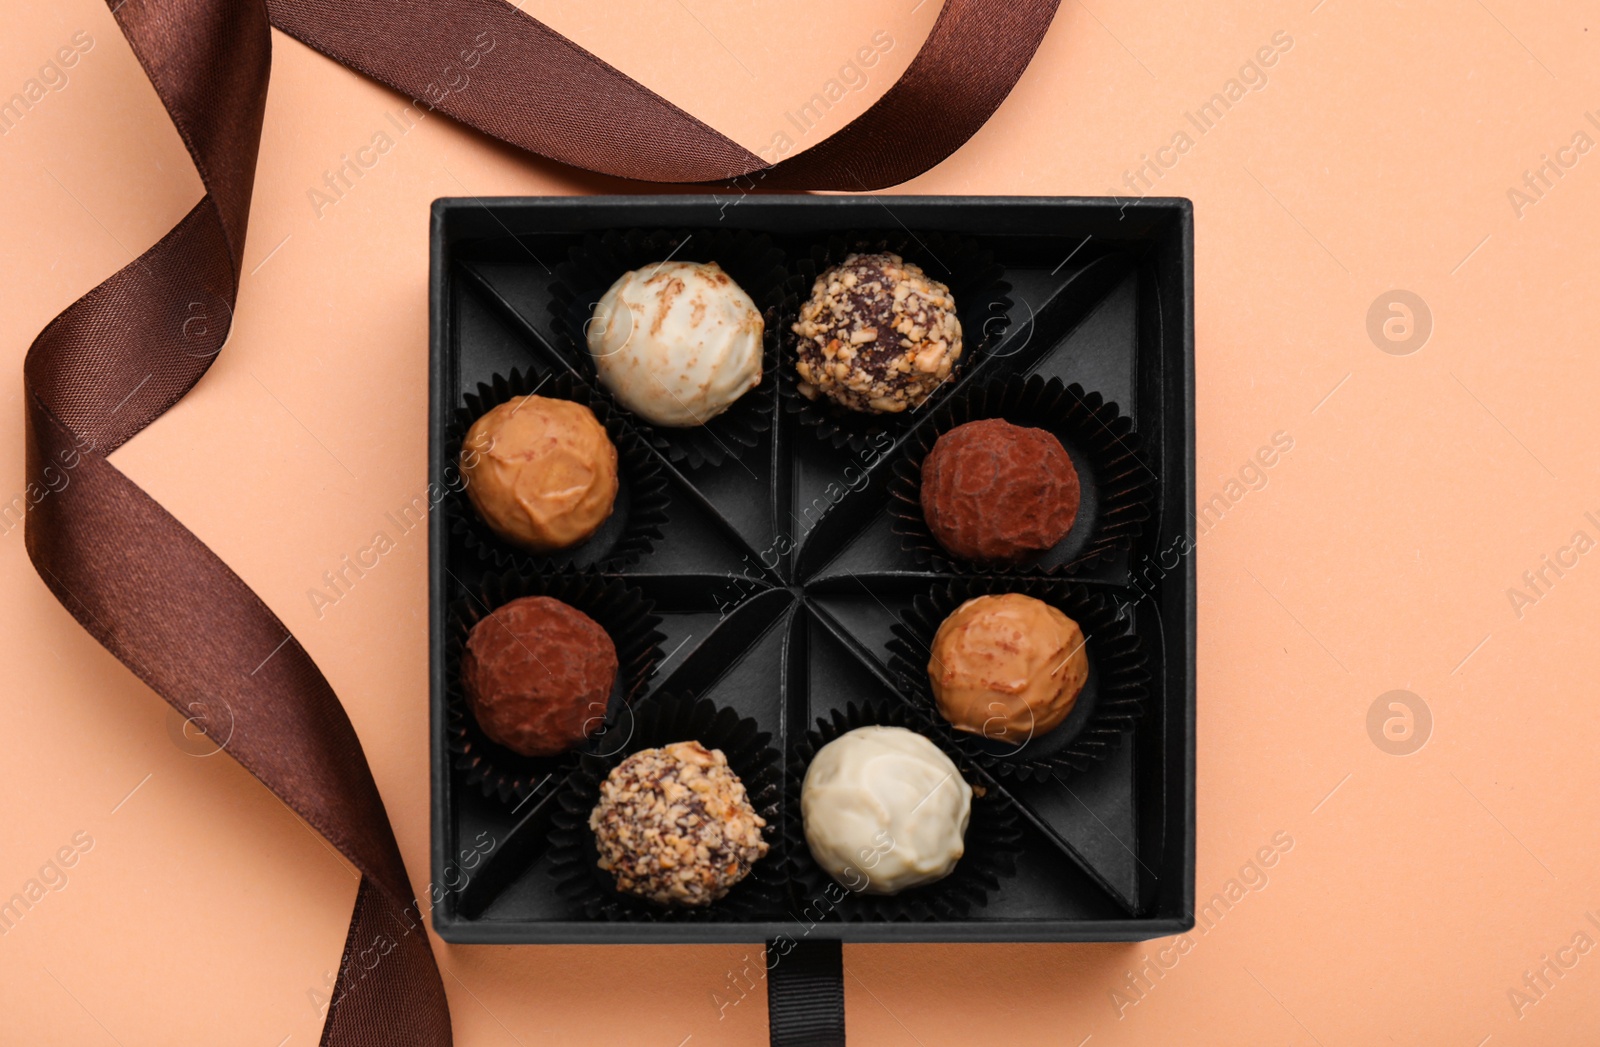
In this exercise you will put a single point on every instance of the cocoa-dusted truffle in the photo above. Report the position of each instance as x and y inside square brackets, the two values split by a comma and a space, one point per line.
[878, 335]
[998, 492]
[538, 675]
[1007, 667]
[541, 472]
[675, 827]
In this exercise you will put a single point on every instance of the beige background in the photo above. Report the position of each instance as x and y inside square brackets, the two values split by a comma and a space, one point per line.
[1377, 155]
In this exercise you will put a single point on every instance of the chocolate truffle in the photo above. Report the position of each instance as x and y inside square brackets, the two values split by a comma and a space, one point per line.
[878, 335]
[999, 492]
[676, 342]
[1007, 667]
[884, 810]
[675, 827]
[542, 473]
[538, 675]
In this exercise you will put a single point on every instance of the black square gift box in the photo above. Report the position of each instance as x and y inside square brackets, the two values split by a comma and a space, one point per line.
[770, 568]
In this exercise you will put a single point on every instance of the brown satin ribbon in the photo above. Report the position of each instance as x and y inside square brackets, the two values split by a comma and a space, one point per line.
[150, 591]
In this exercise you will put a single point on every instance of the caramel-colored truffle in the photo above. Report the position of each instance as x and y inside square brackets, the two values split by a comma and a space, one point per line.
[674, 825]
[1007, 667]
[878, 335]
[998, 492]
[538, 675]
[541, 472]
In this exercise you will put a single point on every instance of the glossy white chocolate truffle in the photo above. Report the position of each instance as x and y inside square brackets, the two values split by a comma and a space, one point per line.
[884, 810]
[677, 342]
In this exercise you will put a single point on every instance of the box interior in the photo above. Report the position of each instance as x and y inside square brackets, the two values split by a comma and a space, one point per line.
[777, 577]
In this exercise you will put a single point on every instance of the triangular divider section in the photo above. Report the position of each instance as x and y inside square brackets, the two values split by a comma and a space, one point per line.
[874, 548]
[511, 853]
[741, 502]
[698, 540]
[837, 673]
[861, 613]
[740, 664]
[521, 293]
[1098, 353]
[1050, 321]
[1093, 818]
[831, 507]
[1044, 884]
[488, 341]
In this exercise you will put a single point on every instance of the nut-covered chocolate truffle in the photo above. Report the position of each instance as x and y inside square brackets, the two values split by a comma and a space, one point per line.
[1007, 667]
[878, 335]
[675, 827]
[541, 472]
[538, 675]
[676, 342]
[999, 492]
[884, 810]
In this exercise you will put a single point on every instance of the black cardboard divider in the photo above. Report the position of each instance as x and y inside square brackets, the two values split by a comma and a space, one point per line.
[1102, 295]
[1090, 818]
[495, 296]
[1054, 322]
[514, 852]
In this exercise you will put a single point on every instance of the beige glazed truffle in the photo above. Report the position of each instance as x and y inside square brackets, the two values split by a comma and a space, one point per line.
[878, 335]
[676, 342]
[541, 472]
[675, 827]
[884, 810]
[1007, 667]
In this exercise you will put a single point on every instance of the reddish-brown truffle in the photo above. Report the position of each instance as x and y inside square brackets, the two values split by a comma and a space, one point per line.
[993, 491]
[538, 675]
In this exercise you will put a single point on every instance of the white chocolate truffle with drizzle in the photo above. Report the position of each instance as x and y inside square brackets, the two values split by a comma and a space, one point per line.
[885, 810]
[676, 342]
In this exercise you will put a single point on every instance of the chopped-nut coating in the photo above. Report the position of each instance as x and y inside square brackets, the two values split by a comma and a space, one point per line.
[674, 825]
[878, 335]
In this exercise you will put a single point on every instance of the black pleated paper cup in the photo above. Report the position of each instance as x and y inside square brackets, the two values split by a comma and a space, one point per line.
[1116, 484]
[618, 608]
[992, 843]
[637, 515]
[753, 262]
[1109, 706]
[983, 303]
[657, 721]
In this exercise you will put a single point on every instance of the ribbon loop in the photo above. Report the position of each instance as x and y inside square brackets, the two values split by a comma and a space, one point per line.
[115, 360]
